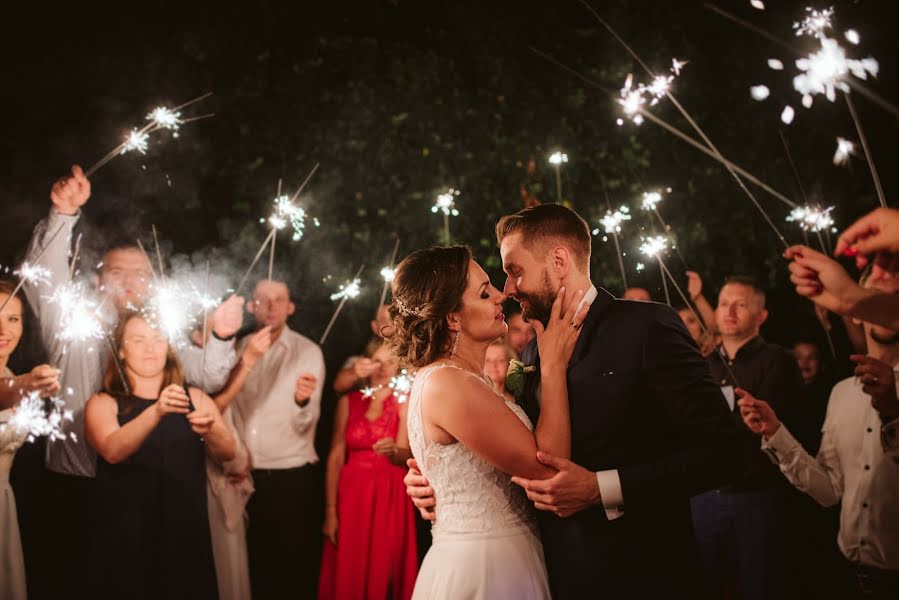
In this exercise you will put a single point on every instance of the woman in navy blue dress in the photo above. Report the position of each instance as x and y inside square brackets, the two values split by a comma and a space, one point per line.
[151, 536]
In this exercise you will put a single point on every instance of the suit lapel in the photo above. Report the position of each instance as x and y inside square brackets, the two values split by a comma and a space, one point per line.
[603, 301]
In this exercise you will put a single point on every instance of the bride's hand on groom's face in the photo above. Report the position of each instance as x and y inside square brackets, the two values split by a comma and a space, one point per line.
[419, 489]
[556, 340]
[571, 490]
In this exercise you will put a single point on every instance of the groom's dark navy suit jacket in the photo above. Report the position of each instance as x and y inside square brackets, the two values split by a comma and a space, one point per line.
[642, 402]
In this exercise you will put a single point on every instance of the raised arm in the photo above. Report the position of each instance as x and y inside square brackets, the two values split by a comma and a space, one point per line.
[257, 345]
[206, 421]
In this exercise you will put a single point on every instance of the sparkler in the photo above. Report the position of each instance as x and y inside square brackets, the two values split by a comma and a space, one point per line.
[347, 291]
[32, 418]
[634, 98]
[664, 89]
[389, 272]
[138, 138]
[401, 384]
[845, 149]
[556, 159]
[611, 223]
[814, 219]
[286, 212]
[653, 247]
[32, 272]
[446, 204]
[651, 203]
[79, 319]
[169, 308]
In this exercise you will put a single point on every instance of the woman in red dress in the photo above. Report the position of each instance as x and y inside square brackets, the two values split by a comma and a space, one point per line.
[370, 550]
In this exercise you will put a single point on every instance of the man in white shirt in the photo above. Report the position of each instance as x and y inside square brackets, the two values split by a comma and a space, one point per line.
[276, 413]
[858, 462]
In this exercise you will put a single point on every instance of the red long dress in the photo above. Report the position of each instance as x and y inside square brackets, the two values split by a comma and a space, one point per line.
[376, 551]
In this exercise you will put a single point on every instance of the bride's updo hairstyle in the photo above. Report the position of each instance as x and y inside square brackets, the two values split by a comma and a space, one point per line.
[428, 286]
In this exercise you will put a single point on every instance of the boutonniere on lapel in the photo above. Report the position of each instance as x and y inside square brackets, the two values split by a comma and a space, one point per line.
[516, 377]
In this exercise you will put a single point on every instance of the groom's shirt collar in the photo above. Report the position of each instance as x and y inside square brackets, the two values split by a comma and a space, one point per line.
[588, 298]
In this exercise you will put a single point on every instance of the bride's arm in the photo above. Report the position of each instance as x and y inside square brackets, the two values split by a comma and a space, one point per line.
[465, 408]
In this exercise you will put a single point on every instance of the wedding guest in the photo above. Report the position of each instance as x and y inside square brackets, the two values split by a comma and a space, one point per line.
[150, 537]
[229, 485]
[369, 549]
[703, 338]
[43, 379]
[856, 463]
[637, 293]
[276, 413]
[357, 369]
[735, 525]
[123, 279]
[496, 365]
[520, 332]
[703, 308]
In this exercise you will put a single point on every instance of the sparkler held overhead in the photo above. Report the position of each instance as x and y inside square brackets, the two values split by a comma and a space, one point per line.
[158, 119]
[388, 272]
[446, 204]
[653, 247]
[556, 159]
[347, 291]
[611, 224]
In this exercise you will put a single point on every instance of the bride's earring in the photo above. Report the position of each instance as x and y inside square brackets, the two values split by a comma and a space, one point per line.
[455, 343]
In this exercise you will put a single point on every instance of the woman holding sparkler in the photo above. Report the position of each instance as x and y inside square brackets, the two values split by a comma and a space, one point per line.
[43, 380]
[370, 546]
[152, 528]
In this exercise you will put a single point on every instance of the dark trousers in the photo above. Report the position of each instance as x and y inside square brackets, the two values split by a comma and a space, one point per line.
[735, 533]
[284, 537]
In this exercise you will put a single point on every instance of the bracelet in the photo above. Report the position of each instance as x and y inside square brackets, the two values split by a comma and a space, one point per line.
[221, 339]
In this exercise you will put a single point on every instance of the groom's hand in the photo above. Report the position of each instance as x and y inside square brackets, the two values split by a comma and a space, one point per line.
[419, 489]
[569, 491]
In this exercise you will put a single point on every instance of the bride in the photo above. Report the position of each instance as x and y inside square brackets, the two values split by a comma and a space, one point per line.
[467, 439]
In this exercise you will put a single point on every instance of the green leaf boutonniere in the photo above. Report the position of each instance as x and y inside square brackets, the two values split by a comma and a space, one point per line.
[516, 377]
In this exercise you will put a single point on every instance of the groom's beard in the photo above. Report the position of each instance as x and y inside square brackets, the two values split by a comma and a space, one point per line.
[540, 302]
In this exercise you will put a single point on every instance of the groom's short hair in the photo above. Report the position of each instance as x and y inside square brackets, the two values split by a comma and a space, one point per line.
[546, 224]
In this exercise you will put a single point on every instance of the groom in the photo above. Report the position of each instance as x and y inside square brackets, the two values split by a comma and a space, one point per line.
[649, 428]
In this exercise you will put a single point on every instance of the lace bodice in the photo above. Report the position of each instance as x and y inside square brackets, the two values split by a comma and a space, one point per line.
[472, 495]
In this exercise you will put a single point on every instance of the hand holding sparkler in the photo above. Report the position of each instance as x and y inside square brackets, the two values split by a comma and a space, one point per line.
[822, 279]
[878, 231]
[42, 379]
[172, 400]
[228, 317]
[69, 194]
[305, 387]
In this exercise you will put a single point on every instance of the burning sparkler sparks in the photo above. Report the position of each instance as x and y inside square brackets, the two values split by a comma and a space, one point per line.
[446, 203]
[80, 319]
[287, 213]
[170, 308]
[388, 273]
[652, 246]
[651, 200]
[633, 98]
[812, 218]
[136, 140]
[348, 290]
[611, 222]
[845, 149]
[33, 274]
[166, 118]
[32, 418]
[815, 22]
[401, 384]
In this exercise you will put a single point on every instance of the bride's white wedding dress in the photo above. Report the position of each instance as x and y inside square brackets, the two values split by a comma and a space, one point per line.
[486, 543]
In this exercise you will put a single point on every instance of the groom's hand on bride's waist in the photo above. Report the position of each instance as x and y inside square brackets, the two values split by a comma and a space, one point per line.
[419, 489]
[571, 490]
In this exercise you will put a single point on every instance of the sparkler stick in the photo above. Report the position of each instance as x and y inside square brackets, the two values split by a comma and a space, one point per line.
[446, 204]
[350, 290]
[650, 202]
[255, 260]
[388, 272]
[147, 256]
[24, 269]
[786, 146]
[118, 363]
[652, 247]
[159, 118]
[556, 159]
[671, 129]
[611, 223]
[74, 262]
[864, 141]
[271, 256]
[158, 253]
[690, 120]
[205, 331]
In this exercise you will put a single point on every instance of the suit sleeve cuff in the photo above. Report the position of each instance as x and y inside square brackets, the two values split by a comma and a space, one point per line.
[610, 489]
